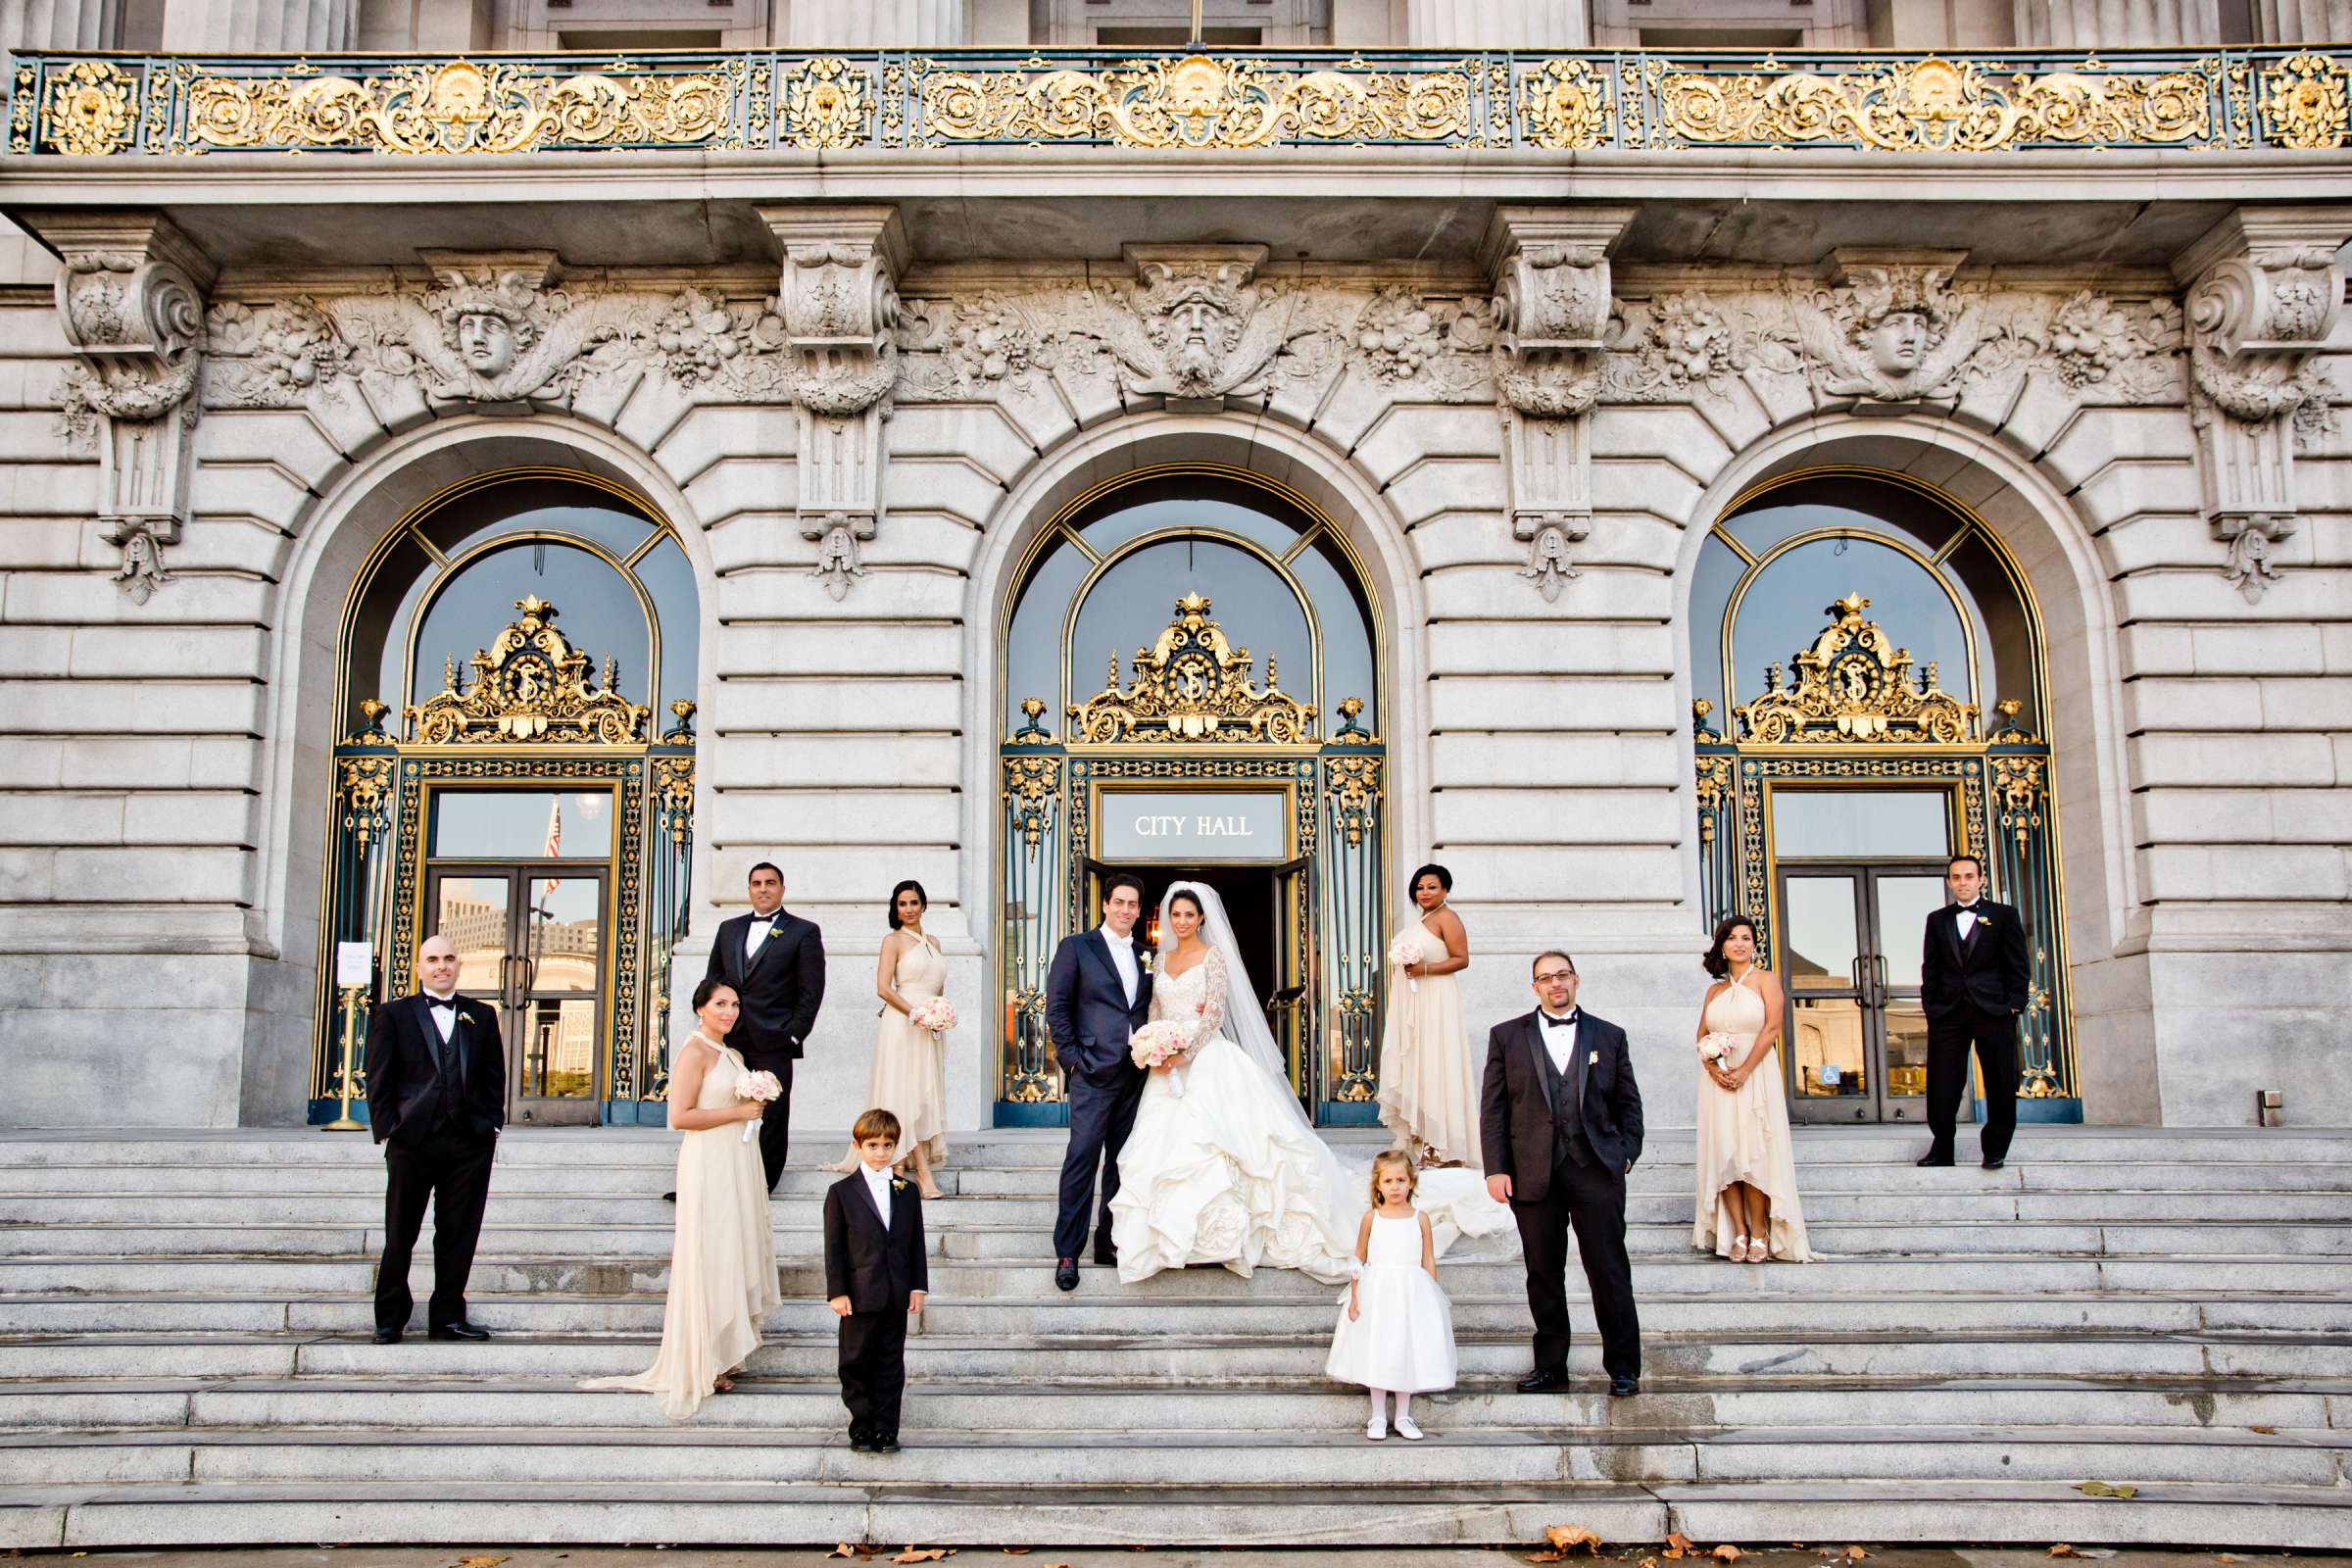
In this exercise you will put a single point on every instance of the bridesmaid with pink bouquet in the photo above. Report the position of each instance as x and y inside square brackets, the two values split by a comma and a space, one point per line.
[1749, 1210]
[909, 1077]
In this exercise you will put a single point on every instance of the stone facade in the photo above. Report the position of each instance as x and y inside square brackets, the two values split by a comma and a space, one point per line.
[857, 393]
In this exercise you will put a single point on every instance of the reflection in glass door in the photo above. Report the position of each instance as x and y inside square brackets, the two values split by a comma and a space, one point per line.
[1848, 942]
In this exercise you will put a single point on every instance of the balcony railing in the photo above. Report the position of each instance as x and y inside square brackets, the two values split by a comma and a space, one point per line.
[767, 99]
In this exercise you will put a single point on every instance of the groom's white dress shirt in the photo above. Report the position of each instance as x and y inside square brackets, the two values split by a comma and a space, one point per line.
[1559, 1039]
[1968, 920]
[756, 933]
[877, 1182]
[1122, 955]
[443, 1010]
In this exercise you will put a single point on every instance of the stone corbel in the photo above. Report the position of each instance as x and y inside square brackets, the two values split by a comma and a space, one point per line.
[838, 301]
[130, 300]
[1551, 272]
[2262, 296]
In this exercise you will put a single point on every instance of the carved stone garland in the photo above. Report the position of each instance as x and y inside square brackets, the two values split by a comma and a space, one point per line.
[1854, 685]
[131, 300]
[2264, 296]
[1192, 685]
[530, 684]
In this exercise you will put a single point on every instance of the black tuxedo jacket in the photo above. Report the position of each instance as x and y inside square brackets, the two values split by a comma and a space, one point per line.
[1086, 1012]
[781, 986]
[1990, 971]
[873, 1267]
[403, 1064]
[1514, 1103]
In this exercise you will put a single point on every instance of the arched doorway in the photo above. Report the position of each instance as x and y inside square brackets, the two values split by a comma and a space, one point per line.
[1193, 667]
[499, 776]
[1878, 663]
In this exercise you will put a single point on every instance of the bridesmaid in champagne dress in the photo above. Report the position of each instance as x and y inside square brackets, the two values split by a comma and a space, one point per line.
[1428, 1081]
[909, 1077]
[722, 1265]
[1747, 1204]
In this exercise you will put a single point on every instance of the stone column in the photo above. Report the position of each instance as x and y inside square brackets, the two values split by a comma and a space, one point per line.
[2089, 24]
[53, 24]
[1496, 24]
[259, 26]
[876, 23]
[2303, 20]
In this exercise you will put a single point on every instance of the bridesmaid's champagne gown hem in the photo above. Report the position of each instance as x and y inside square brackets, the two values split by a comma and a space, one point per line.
[1428, 1083]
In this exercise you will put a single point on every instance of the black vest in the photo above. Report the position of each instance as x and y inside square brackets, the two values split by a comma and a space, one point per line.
[1568, 1141]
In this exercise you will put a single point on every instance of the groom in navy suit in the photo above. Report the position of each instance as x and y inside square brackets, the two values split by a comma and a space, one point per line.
[1098, 993]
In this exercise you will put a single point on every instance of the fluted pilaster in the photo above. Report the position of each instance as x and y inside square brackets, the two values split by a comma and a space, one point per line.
[1496, 24]
[2089, 24]
[261, 26]
[53, 24]
[2303, 20]
[876, 23]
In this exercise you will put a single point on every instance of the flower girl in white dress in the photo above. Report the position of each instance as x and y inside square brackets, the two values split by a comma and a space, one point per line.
[1395, 1329]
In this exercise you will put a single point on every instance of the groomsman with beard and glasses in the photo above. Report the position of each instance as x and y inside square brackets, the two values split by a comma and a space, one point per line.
[776, 964]
[1560, 1127]
[1974, 974]
[436, 1097]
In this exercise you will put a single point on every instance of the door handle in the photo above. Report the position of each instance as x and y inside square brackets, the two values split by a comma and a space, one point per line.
[1877, 969]
[1853, 972]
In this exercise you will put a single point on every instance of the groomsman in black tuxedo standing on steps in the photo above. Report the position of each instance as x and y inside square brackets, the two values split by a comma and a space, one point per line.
[776, 964]
[1974, 974]
[436, 1098]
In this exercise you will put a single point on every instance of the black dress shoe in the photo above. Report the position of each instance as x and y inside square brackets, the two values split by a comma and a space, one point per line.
[1540, 1379]
[670, 1197]
[1931, 1158]
[1996, 1164]
[859, 1443]
[887, 1444]
[458, 1331]
[386, 1336]
[1107, 1258]
[1065, 1273]
[1619, 1388]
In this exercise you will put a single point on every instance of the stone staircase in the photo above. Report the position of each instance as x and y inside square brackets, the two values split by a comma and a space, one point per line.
[185, 1360]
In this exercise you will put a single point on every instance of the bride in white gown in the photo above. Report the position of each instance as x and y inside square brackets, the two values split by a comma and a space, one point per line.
[1222, 1166]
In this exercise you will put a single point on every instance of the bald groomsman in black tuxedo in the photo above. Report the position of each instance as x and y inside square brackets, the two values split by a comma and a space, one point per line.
[1973, 975]
[776, 964]
[436, 1099]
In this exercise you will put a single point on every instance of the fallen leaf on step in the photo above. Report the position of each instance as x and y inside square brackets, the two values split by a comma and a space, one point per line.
[479, 1562]
[913, 1553]
[2102, 1488]
[1679, 1545]
[1567, 1538]
[1546, 1557]
[1855, 1555]
[1729, 1552]
[2265, 1429]
[2062, 1549]
[842, 1548]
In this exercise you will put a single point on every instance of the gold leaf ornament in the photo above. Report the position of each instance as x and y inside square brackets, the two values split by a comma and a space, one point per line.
[827, 105]
[1564, 105]
[2305, 103]
[89, 111]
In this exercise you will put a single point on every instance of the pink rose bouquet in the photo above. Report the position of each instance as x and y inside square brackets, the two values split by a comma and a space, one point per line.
[1161, 1044]
[1407, 950]
[762, 1087]
[938, 1015]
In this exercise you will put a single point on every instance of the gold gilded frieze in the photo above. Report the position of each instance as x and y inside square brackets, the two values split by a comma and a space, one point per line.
[529, 685]
[1192, 685]
[1854, 684]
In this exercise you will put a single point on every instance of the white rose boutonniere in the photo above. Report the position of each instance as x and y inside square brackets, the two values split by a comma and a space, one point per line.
[897, 1184]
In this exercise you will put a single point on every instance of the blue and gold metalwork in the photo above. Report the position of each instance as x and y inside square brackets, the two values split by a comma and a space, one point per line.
[2291, 99]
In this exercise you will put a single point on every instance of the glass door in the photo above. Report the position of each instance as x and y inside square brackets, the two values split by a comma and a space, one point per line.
[531, 942]
[1848, 954]
[1290, 1007]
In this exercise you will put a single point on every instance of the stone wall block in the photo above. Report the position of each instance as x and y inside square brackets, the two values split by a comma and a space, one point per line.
[857, 875]
[2269, 873]
[755, 540]
[398, 405]
[1443, 484]
[2303, 597]
[2263, 762]
[854, 815]
[286, 438]
[1635, 540]
[2098, 436]
[1567, 873]
[794, 594]
[153, 708]
[1493, 701]
[1355, 404]
[712, 431]
[2253, 650]
[1455, 539]
[1614, 594]
[947, 485]
[2315, 704]
[1297, 400]
[2205, 817]
[191, 1085]
[35, 651]
[1566, 762]
[924, 538]
[1550, 648]
[1648, 488]
[729, 487]
[1090, 398]
[656, 413]
[846, 761]
[1464, 814]
[54, 819]
[2199, 705]
[840, 648]
[88, 599]
[2335, 645]
[1035, 411]
[841, 703]
[2322, 817]
[185, 818]
[2149, 540]
[251, 489]
[1784, 399]
[68, 545]
[191, 874]
[1674, 434]
[237, 543]
[971, 433]
[1410, 432]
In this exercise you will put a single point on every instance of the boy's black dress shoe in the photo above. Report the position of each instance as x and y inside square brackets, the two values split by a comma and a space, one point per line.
[887, 1444]
[458, 1331]
[1996, 1164]
[1540, 1379]
[1065, 1273]
[386, 1336]
[1931, 1158]
[1619, 1388]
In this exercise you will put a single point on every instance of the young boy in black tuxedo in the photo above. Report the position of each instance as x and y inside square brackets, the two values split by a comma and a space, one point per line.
[877, 1277]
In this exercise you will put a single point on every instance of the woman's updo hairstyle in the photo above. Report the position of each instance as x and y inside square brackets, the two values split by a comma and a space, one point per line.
[1443, 876]
[895, 921]
[711, 987]
[1189, 896]
[1715, 963]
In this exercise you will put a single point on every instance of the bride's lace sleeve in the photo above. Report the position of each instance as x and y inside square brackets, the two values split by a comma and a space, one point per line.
[1213, 999]
[1154, 1009]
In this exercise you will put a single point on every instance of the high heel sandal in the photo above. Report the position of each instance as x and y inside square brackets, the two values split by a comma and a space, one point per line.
[1739, 1250]
[1759, 1249]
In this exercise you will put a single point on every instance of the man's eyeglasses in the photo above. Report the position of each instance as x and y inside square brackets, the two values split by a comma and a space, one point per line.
[1554, 976]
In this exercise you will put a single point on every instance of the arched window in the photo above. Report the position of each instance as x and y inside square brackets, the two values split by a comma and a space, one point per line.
[1867, 669]
[514, 769]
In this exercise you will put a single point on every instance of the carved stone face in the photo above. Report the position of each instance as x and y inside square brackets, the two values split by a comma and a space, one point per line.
[487, 343]
[1897, 342]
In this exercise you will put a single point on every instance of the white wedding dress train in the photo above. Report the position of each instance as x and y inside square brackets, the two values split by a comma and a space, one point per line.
[1222, 1166]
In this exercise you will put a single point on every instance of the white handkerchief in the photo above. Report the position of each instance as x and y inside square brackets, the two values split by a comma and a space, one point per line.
[1592, 1061]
